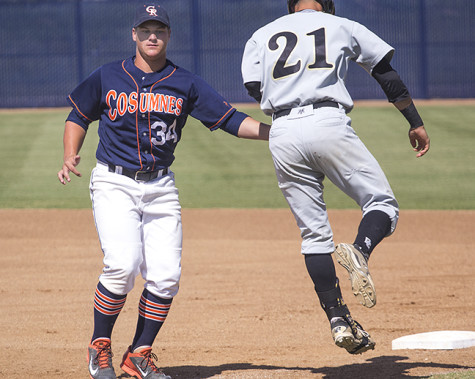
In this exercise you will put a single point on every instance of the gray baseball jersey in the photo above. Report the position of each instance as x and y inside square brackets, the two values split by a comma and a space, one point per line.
[302, 58]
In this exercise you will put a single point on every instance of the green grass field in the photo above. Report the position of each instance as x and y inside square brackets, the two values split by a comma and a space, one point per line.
[214, 169]
[455, 375]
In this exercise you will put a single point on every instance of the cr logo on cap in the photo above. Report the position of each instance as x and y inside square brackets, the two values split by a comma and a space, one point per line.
[151, 10]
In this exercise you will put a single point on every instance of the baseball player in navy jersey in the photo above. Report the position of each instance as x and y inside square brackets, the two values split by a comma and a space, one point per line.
[295, 67]
[142, 104]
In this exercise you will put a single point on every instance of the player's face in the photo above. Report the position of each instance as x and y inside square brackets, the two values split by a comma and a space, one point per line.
[151, 38]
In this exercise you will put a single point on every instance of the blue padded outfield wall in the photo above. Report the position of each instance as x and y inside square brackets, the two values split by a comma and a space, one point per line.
[48, 46]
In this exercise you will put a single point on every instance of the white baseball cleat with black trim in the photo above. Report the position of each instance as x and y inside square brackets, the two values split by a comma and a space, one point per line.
[350, 335]
[355, 263]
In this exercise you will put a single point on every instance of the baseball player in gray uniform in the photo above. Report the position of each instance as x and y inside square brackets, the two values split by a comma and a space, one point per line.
[295, 67]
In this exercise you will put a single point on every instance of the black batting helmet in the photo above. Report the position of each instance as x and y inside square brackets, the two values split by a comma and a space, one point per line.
[327, 5]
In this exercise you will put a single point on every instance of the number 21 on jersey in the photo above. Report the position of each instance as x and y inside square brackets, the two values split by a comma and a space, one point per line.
[282, 68]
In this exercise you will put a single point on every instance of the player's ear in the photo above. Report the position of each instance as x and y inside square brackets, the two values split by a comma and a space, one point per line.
[134, 35]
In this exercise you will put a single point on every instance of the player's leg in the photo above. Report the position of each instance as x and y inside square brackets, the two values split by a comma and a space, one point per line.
[353, 169]
[374, 227]
[118, 226]
[118, 220]
[357, 173]
[346, 332]
[301, 183]
[107, 307]
[161, 269]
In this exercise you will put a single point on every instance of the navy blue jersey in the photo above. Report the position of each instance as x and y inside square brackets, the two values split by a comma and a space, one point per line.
[141, 115]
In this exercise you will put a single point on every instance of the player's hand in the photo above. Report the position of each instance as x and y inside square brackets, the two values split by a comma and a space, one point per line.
[69, 165]
[419, 140]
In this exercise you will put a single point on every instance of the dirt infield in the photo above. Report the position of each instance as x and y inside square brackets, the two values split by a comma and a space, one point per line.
[246, 308]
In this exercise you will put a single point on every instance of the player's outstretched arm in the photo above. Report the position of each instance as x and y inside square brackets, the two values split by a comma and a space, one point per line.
[253, 129]
[72, 141]
[397, 93]
[417, 133]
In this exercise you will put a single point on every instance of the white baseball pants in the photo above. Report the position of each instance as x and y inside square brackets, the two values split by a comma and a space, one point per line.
[311, 144]
[140, 231]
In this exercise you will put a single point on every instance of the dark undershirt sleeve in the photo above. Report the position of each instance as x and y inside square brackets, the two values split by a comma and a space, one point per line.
[254, 90]
[390, 82]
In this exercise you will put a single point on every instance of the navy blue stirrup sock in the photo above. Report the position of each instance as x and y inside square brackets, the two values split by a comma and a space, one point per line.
[153, 311]
[107, 307]
[374, 226]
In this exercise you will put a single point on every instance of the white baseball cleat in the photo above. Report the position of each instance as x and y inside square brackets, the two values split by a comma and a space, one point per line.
[355, 263]
[350, 335]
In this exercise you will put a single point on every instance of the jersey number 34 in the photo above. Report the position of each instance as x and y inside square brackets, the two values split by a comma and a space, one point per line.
[281, 67]
[164, 133]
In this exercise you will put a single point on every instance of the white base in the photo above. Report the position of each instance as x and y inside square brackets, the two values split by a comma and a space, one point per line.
[443, 340]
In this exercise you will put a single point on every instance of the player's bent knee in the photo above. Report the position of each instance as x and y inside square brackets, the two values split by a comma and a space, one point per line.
[163, 290]
[119, 281]
[392, 210]
[117, 286]
[165, 286]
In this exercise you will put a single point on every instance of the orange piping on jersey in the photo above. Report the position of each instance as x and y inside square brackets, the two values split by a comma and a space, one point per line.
[162, 79]
[136, 116]
[212, 126]
[149, 126]
[75, 106]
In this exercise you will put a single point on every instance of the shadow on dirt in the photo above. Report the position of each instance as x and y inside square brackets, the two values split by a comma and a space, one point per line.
[379, 367]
